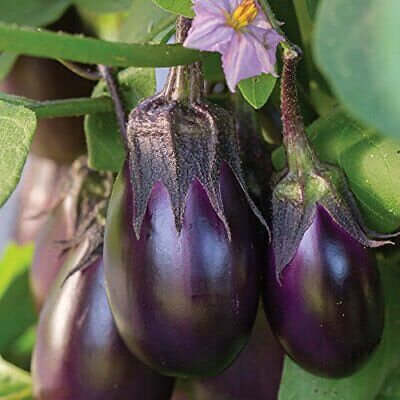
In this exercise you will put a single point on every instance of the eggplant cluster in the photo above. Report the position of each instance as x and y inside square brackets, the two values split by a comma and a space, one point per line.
[167, 284]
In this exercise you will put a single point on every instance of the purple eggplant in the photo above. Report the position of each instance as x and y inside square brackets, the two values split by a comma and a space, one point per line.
[49, 256]
[255, 375]
[327, 306]
[180, 394]
[183, 302]
[78, 353]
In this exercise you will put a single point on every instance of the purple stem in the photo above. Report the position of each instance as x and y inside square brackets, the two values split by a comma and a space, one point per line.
[300, 156]
[112, 85]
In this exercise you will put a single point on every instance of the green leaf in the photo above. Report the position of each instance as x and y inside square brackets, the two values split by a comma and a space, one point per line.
[144, 22]
[32, 12]
[298, 384]
[105, 146]
[15, 384]
[7, 61]
[17, 126]
[357, 48]
[312, 7]
[19, 352]
[104, 6]
[181, 7]
[257, 90]
[370, 161]
[212, 68]
[391, 388]
[15, 294]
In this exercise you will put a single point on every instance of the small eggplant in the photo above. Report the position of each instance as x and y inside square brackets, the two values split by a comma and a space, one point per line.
[78, 353]
[255, 374]
[49, 255]
[180, 251]
[80, 190]
[322, 291]
[327, 308]
[184, 302]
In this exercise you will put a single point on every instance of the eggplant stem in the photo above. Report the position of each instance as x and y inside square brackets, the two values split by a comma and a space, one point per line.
[184, 82]
[301, 157]
[113, 88]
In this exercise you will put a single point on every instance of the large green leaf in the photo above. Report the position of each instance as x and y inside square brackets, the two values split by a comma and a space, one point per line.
[32, 12]
[391, 388]
[312, 7]
[144, 22]
[181, 7]
[17, 126]
[358, 49]
[298, 384]
[17, 312]
[104, 6]
[19, 352]
[15, 384]
[257, 90]
[7, 61]
[105, 146]
[371, 162]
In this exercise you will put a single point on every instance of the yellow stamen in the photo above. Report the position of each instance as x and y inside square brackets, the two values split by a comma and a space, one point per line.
[243, 15]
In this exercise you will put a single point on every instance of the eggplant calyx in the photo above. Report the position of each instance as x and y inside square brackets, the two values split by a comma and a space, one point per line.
[294, 203]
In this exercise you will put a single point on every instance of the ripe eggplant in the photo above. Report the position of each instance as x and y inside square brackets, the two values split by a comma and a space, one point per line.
[78, 210]
[179, 394]
[49, 255]
[78, 353]
[180, 244]
[255, 374]
[184, 302]
[39, 186]
[327, 307]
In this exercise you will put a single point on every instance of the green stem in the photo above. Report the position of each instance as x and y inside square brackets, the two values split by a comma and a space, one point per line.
[62, 108]
[42, 43]
[68, 107]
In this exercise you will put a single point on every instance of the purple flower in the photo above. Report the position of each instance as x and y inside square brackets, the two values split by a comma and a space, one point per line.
[240, 31]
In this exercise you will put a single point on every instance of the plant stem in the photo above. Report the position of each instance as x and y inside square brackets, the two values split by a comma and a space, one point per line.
[113, 88]
[42, 43]
[78, 70]
[62, 108]
[300, 155]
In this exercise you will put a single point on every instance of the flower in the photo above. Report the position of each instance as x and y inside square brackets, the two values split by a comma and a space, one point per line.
[240, 31]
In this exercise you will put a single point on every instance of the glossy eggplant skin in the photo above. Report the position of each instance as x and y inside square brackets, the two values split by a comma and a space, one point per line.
[79, 354]
[328, 309]
[49, 256]
[255, 374]
[183, 303]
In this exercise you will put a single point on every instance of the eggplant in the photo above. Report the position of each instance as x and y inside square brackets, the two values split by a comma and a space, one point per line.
[256, 373]
[179, 394]
[78, 353]
[184, 303]
[327, 307]
[49, 255]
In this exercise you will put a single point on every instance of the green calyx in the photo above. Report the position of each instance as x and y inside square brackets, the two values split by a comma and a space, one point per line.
[314, 184]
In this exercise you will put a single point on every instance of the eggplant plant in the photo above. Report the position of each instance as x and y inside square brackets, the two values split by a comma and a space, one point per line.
[261, 168]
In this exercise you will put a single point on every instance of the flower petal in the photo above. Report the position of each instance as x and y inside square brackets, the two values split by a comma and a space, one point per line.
[212, 7]
[266, 50]
[240, 60]
[210, 35]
